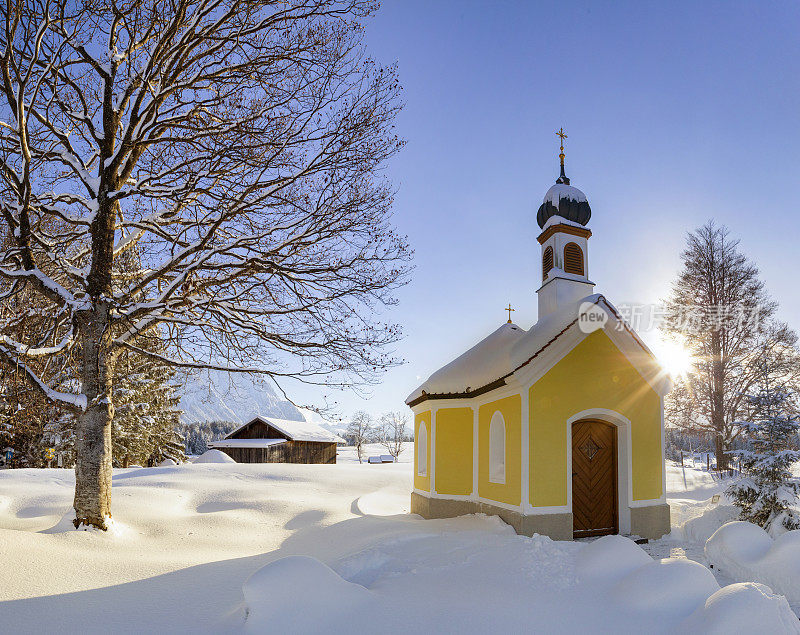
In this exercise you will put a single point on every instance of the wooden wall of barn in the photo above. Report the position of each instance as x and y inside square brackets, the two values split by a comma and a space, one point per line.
[258, 430]
[289, 452]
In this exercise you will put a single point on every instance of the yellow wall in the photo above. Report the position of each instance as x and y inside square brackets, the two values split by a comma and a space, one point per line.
[511, 409]
[453, 451]
[422, 482]
[595, 374]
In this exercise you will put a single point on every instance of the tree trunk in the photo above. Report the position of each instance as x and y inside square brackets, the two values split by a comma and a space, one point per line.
[718, 400]
[93, 430]
[719, 450]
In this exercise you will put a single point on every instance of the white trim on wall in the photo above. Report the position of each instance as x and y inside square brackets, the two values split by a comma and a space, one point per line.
[475, 458]
[663, 455]
[525, 449]
[649, 502]
[530, 510]
[432, 458]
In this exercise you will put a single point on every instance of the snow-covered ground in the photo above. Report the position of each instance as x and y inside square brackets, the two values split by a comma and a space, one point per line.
[348, 455]
[696, 517]
[342, 553]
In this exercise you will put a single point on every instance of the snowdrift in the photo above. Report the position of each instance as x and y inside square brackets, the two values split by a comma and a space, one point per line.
[447, 576]
[300, 594]
[677, 588]
[700, 528]
[213, 456]
[743, 608]
[672, 587]
[331, 548]
[609, 557]
[745, 551]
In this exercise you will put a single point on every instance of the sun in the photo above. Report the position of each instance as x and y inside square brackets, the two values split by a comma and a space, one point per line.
[675, 358]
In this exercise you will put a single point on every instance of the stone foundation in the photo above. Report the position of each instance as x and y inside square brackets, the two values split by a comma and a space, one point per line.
[651, 521]
[556, 526]
[647, 522]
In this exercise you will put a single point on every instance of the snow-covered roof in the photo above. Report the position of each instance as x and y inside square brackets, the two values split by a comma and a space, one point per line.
[561, 190]
[507, 350]
[295, 430]
[485, 362]
[245, 443]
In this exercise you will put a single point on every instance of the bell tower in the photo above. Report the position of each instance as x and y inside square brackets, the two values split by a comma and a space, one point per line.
[562, 217]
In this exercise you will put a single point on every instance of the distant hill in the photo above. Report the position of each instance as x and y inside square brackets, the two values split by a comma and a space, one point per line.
[216, 396]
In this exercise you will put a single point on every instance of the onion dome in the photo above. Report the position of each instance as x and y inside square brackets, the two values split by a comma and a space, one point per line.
[564, 200]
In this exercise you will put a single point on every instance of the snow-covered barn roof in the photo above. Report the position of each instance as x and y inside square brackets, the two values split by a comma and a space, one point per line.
[245, 443]
[510, 348]
[294, 430]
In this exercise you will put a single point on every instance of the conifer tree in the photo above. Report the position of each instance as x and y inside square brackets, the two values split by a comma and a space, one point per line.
[24, 420]
[144, 431]
[25, 413]
[767, 492]
[197, 435]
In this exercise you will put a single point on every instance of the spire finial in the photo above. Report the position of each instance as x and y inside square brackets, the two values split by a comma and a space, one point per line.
[509, 309]
[563, 136]
[563, 178]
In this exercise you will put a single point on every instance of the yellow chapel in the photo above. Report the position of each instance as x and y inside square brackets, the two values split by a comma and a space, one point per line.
[558, 429]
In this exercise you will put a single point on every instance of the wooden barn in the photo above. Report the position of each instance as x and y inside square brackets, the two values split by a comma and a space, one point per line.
[269, 440]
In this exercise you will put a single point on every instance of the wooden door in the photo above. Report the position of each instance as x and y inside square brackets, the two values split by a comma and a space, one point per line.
[594, 478]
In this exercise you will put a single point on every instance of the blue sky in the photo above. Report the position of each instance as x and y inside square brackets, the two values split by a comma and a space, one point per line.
[676, 113]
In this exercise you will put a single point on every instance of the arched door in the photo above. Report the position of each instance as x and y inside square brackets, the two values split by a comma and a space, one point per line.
[594, 478]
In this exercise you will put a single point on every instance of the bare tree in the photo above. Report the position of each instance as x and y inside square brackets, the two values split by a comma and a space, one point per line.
[393, 432]
[722, 312]
[238, 146]
[359, 431]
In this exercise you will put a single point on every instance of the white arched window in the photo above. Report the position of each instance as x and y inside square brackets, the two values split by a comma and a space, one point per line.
[497, 449]
[422, 450]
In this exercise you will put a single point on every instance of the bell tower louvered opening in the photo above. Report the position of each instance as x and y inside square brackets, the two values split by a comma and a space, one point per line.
[573, 259]
[547, 262]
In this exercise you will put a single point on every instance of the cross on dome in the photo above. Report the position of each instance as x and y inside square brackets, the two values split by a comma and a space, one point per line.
[563, 178]
[509, 309]
[562, 199]
[563, 135]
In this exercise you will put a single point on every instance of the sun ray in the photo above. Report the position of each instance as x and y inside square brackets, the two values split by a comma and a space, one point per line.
[674, 356]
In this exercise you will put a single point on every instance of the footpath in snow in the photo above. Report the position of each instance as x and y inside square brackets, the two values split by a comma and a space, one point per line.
[213, 547]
